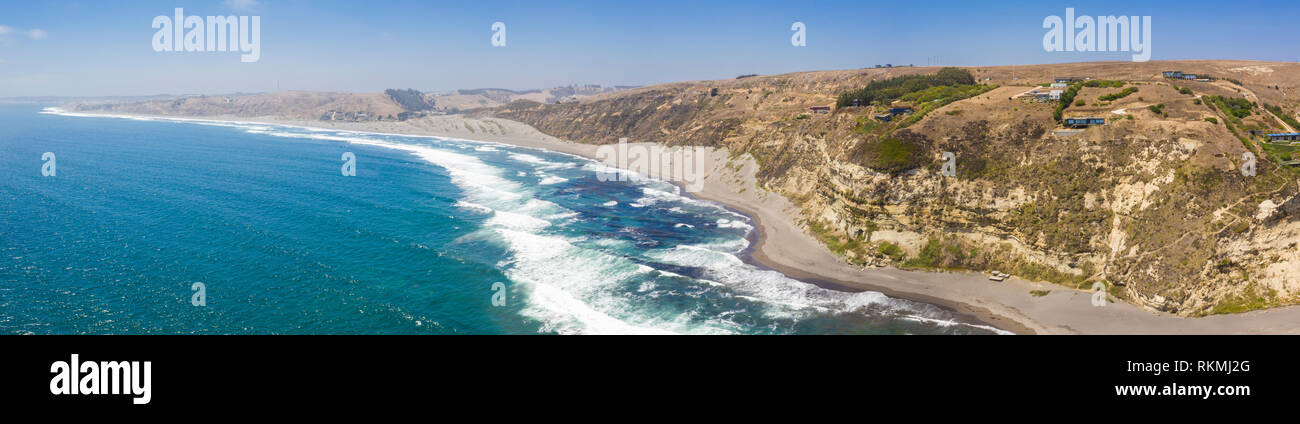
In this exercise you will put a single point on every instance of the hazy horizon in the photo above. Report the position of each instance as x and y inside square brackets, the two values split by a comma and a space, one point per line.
[81, 49]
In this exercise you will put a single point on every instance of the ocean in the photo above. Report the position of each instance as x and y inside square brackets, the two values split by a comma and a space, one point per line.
[431, 236]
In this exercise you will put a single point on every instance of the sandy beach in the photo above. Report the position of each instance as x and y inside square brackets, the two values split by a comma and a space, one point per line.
[783, 246]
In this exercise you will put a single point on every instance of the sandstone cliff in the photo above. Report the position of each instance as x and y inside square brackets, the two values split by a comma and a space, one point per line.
[1154, 203]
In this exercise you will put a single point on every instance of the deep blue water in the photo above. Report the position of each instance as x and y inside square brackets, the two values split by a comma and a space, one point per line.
[140, 210]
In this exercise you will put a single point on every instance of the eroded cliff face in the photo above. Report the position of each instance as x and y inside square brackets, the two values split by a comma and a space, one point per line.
[1154, 204]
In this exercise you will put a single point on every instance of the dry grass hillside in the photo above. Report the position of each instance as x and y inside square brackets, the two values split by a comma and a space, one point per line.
[286, 105]
[348, 107]
[1153, 203]
[464, 100]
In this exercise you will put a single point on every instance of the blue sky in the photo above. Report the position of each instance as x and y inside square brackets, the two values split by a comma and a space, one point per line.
[94, 47]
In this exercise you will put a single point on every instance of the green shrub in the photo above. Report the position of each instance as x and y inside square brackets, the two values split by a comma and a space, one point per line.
[1103, 84]
[891, 251]
[1235, 106]
[1248, 300]
[891, 89]
[1122, 94]
[1066, 99]
[935, 254]
[892, 155]
[1281, 114]
[835, 243]
[937, 97]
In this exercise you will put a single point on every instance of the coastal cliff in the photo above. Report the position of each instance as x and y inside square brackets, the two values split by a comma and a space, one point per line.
[1153, 204]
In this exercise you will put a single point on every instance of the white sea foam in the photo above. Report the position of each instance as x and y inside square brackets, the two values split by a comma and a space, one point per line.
[727, 223]
[565, 284]
[473, 206]
[658, 191]
[609, 242]
[524, 157]
[542, 163]
[518, 221]
[795, 298]
[733, 245]
[568, 287]
[551, 179]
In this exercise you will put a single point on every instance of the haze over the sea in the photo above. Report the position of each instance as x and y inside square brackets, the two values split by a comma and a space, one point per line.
[77, 48]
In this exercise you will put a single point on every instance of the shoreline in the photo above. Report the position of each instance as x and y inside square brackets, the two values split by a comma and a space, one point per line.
[965, 313]
[782, 246]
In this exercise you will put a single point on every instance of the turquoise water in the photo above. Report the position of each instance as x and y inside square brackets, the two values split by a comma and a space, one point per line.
[141, 209]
